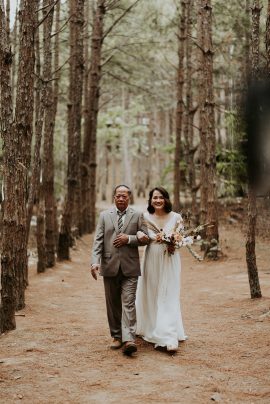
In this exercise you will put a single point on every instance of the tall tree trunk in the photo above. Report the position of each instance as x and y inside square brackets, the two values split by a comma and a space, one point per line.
[8, 277]
[254, 283]
[49, 117]
[207, 124]
[40, 234]
[39, 118]
[14, 50]
[255, 39]
[267, 40]
[22, 128]
[36, 184]
[89, 145]
[71, 213]
[56, 91]
[77, 110]
[202, 117]
[17, 138]
[127, 158]
[180, 107]
[190, 110]
[85, 167]
[8, 20]
[247, 41]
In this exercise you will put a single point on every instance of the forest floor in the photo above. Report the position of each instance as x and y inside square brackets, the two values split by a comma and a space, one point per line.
[59, 352]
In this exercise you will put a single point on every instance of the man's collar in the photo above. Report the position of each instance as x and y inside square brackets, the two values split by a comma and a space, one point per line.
[125, 210]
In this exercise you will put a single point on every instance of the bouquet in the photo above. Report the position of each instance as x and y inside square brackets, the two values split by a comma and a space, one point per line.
[179, 237]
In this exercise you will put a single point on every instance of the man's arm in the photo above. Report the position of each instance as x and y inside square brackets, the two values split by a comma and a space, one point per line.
[143, 239]
[97, 247]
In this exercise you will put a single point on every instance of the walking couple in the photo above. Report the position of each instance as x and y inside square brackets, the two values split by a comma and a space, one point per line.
[154, 312]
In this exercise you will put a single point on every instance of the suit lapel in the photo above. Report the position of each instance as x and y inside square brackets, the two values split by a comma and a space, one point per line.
[129, 215]
[113, 216]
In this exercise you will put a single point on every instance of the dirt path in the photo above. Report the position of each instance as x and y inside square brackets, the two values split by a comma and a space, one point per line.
[59, 352]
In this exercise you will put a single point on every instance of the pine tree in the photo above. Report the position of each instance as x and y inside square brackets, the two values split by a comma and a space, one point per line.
[254, 283]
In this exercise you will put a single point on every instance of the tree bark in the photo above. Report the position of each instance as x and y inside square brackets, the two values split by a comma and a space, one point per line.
[22, 129]
[8, 20]
[180, 107]
[40, 232]
[14, 41]
[8, 276]
[208, 211]
[71, 213]
[202, 117]
[39, 118]
[254, 283]
[89, 144]
[125, 147]
[49, 120]
[85, 167]
[267, 39]
[247, 41]
[189, 131]
[76, 113]
[57, 75]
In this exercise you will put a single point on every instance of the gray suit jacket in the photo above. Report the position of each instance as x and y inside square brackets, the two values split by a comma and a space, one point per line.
[111, 258]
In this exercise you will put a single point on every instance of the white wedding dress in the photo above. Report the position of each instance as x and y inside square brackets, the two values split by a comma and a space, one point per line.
[159, 317]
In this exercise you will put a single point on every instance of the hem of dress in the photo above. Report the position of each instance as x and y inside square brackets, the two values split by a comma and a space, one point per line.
[161, 344]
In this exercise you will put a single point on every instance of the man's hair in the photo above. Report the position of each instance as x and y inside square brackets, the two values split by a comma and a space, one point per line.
[122, 185]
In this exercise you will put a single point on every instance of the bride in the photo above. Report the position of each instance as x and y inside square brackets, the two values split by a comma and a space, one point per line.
[159, 317]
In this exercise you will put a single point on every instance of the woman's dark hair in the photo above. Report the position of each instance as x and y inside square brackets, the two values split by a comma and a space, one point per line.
[168, 204]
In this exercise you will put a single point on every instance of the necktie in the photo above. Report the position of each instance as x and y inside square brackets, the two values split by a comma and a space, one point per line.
[120, 219]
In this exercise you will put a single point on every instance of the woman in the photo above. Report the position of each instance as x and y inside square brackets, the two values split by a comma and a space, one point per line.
[158, 307]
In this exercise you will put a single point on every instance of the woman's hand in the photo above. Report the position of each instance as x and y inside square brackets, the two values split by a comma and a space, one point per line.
[171, 248]
[142, 237]
[159, 237]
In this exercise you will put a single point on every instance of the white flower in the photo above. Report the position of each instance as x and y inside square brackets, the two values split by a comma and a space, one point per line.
[187, 241]
[179, 226]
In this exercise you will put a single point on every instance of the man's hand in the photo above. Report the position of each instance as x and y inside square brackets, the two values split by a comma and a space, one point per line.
[120, 240]
[94, 271]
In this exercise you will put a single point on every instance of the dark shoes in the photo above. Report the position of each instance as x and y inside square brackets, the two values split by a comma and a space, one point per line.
[116, 343]
[129, 348]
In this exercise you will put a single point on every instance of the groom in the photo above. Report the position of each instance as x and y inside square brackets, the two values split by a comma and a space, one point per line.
[115, 256]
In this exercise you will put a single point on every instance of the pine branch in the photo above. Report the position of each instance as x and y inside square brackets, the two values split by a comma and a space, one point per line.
[107, 102]
[47, 14]
[44, 7]
[107, 61]
[130, 84]
[131, 44]
[110, 5]
[61, 28]
[61, 67]
[119, 19]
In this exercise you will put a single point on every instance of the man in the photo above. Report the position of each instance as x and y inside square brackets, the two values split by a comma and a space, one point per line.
[115, 256]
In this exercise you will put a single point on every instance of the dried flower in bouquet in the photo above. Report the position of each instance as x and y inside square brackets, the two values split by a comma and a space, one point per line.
[180, 236]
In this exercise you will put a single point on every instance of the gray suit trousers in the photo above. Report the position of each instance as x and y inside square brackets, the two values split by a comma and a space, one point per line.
[120, 293]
